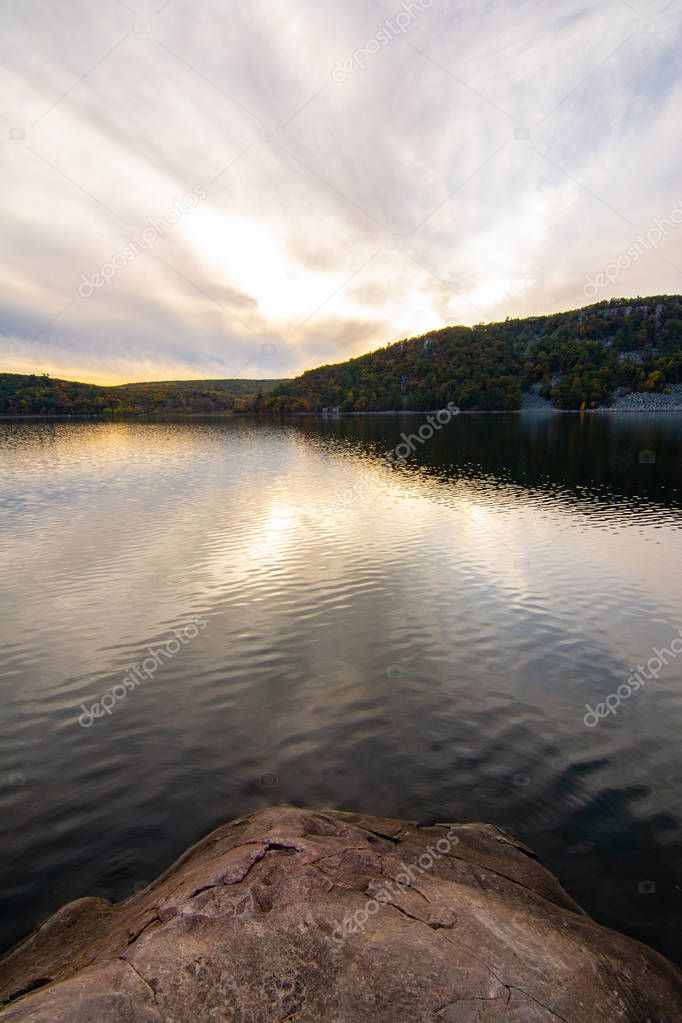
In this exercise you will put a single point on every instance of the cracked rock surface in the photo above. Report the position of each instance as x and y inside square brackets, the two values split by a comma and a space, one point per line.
[294, 915]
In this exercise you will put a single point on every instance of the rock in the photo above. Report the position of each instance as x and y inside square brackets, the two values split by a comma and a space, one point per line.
[649, 401]
[532, 401]
[294, 915]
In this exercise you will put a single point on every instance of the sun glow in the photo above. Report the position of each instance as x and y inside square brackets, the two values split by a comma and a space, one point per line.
[246, 256]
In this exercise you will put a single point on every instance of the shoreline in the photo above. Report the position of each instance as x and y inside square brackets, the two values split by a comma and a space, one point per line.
[341, 415]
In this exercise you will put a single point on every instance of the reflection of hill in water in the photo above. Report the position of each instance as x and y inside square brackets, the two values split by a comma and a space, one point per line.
[627, 467]
[410, 652]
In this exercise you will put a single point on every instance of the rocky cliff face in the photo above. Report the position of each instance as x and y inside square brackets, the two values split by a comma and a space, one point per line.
[290, 915]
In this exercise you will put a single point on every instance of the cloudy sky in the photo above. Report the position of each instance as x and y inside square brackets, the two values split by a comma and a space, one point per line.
[356, 172]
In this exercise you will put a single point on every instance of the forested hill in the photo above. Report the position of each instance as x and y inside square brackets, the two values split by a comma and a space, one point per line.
[577, 359]
[25, 395]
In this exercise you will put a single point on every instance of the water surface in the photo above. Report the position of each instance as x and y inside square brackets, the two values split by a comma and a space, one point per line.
[417, 641]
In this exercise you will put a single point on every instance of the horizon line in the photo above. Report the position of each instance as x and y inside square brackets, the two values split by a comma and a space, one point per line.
[453, 326]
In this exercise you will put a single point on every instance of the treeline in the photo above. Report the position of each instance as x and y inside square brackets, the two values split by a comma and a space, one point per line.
[576, 359]
[25, 395]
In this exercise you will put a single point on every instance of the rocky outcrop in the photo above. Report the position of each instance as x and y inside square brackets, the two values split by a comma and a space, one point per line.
[649, 401]
[291, 915]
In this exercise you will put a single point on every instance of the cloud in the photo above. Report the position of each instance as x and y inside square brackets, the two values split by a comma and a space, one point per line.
[485, 160]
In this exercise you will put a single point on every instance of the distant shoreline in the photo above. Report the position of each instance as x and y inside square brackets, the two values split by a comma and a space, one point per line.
[341, 415]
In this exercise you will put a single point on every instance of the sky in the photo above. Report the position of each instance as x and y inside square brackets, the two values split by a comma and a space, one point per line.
[250, 190]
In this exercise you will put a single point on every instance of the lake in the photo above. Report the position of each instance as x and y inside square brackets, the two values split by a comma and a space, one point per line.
[418, 640]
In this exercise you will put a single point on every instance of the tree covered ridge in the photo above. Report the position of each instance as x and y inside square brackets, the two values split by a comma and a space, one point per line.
[577, 359]
[22, 395]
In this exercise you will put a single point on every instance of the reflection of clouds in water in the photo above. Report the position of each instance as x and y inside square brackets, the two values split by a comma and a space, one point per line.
[400, 655]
